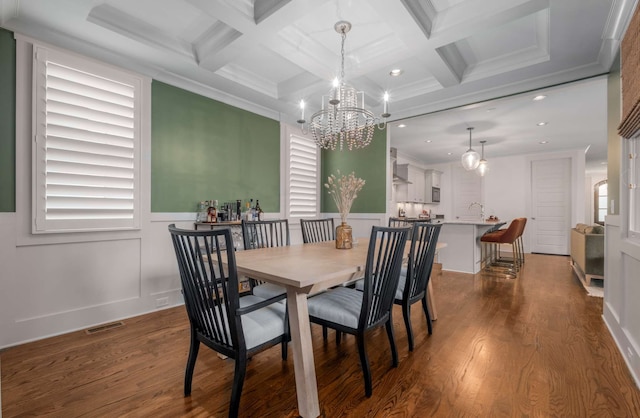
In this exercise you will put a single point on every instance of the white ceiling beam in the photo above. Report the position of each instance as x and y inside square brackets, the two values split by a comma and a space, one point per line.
[469, 18]
[131, 27]
[264, 33]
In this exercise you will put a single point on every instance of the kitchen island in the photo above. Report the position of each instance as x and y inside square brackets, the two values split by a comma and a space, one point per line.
[463, 251]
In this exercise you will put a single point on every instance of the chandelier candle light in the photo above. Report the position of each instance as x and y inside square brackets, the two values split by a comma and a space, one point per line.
[470, 159]
[343, 119]
[344, 190]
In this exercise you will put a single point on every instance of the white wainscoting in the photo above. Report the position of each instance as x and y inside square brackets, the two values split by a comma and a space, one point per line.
[621, 289]
[55, 288]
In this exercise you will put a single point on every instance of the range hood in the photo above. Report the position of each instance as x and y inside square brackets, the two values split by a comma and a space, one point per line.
[400, 173]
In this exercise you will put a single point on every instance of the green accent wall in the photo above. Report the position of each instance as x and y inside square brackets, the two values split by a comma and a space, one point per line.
[7, 122]
[369, 164]
[203, 149]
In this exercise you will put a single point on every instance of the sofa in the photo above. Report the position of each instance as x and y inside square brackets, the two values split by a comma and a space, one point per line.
[587, 252]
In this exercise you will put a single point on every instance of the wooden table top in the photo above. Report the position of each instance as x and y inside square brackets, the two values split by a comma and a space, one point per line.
[306, 265]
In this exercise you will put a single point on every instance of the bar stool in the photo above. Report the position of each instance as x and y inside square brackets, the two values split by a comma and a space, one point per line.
[513, 236]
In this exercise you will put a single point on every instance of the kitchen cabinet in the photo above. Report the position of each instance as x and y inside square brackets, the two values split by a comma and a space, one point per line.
[416, 187]
[413, 191]
[432, 180]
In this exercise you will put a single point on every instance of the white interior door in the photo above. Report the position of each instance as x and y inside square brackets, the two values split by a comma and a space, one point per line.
[551, 206]
[467, 186]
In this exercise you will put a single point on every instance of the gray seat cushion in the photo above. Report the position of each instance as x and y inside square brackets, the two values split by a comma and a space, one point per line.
[269, 290]
[262, 325]
[401, 283]
[340, 305]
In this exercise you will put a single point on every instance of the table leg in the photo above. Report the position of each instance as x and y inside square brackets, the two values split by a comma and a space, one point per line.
[431, 302]
[305, 371]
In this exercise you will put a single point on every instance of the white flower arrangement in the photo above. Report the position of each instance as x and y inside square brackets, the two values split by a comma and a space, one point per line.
[344, 190]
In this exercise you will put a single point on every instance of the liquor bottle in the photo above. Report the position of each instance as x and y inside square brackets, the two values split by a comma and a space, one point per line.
[247, 214]
[253, 211]
[259, 213]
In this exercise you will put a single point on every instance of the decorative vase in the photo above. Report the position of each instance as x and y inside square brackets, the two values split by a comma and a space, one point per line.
[344, 236]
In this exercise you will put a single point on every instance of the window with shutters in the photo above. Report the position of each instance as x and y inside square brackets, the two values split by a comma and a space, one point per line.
[303, 178]
[86, 126]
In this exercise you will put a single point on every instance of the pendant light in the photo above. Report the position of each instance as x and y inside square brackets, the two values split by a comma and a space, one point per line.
[470, 159]
[483, 166]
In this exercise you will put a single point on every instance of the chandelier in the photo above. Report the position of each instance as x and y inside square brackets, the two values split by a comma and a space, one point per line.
[343, 118]
[470, 159]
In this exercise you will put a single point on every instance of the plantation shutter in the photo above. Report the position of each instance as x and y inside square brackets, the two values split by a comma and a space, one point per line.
[87, 141]
[303, 178]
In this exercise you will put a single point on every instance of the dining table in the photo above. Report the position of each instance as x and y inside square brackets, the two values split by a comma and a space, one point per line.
[305, 269]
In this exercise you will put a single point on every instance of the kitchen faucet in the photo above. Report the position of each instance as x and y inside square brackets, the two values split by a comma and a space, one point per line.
[481, 209]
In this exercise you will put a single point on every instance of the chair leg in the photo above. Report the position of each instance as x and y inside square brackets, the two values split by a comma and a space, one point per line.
[406, 314]
[364, 362]
[191, 362]
[324, 332]
[287, 336]
[338, 337]
[392, 342]
[425, 308]
[238, 381]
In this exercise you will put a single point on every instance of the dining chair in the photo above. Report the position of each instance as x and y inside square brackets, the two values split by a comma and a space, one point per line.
[317, 230]
[398, 222]
[237, 327]
[354, 312]
[413, 282]
[265, 234]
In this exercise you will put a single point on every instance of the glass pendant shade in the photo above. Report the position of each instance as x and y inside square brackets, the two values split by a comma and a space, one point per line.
[483, 165]
[470, 159]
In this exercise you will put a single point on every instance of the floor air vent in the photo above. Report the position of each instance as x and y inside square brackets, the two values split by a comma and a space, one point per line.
[104, 327]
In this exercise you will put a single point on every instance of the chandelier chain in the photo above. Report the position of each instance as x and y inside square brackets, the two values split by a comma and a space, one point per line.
[344, 37]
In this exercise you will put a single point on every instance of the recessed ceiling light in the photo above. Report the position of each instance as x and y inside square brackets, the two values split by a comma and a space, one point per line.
[544, 142]
[428, 141]
[395, 72]
[449, 153]
[402, 125]
[540, 97]
[542, 123]
[603, 163]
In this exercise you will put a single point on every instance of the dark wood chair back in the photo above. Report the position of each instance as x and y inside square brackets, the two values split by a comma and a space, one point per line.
[397, 222]
[424, 239]
[382, 271]
[210, 290]
[263, 234]
[317, 230]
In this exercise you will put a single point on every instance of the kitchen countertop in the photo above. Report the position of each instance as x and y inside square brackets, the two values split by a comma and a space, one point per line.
[480, 223]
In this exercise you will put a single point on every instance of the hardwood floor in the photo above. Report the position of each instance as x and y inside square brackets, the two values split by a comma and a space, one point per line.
[535, 346]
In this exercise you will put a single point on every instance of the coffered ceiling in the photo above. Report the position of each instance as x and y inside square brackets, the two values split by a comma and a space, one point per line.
[267, 55]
